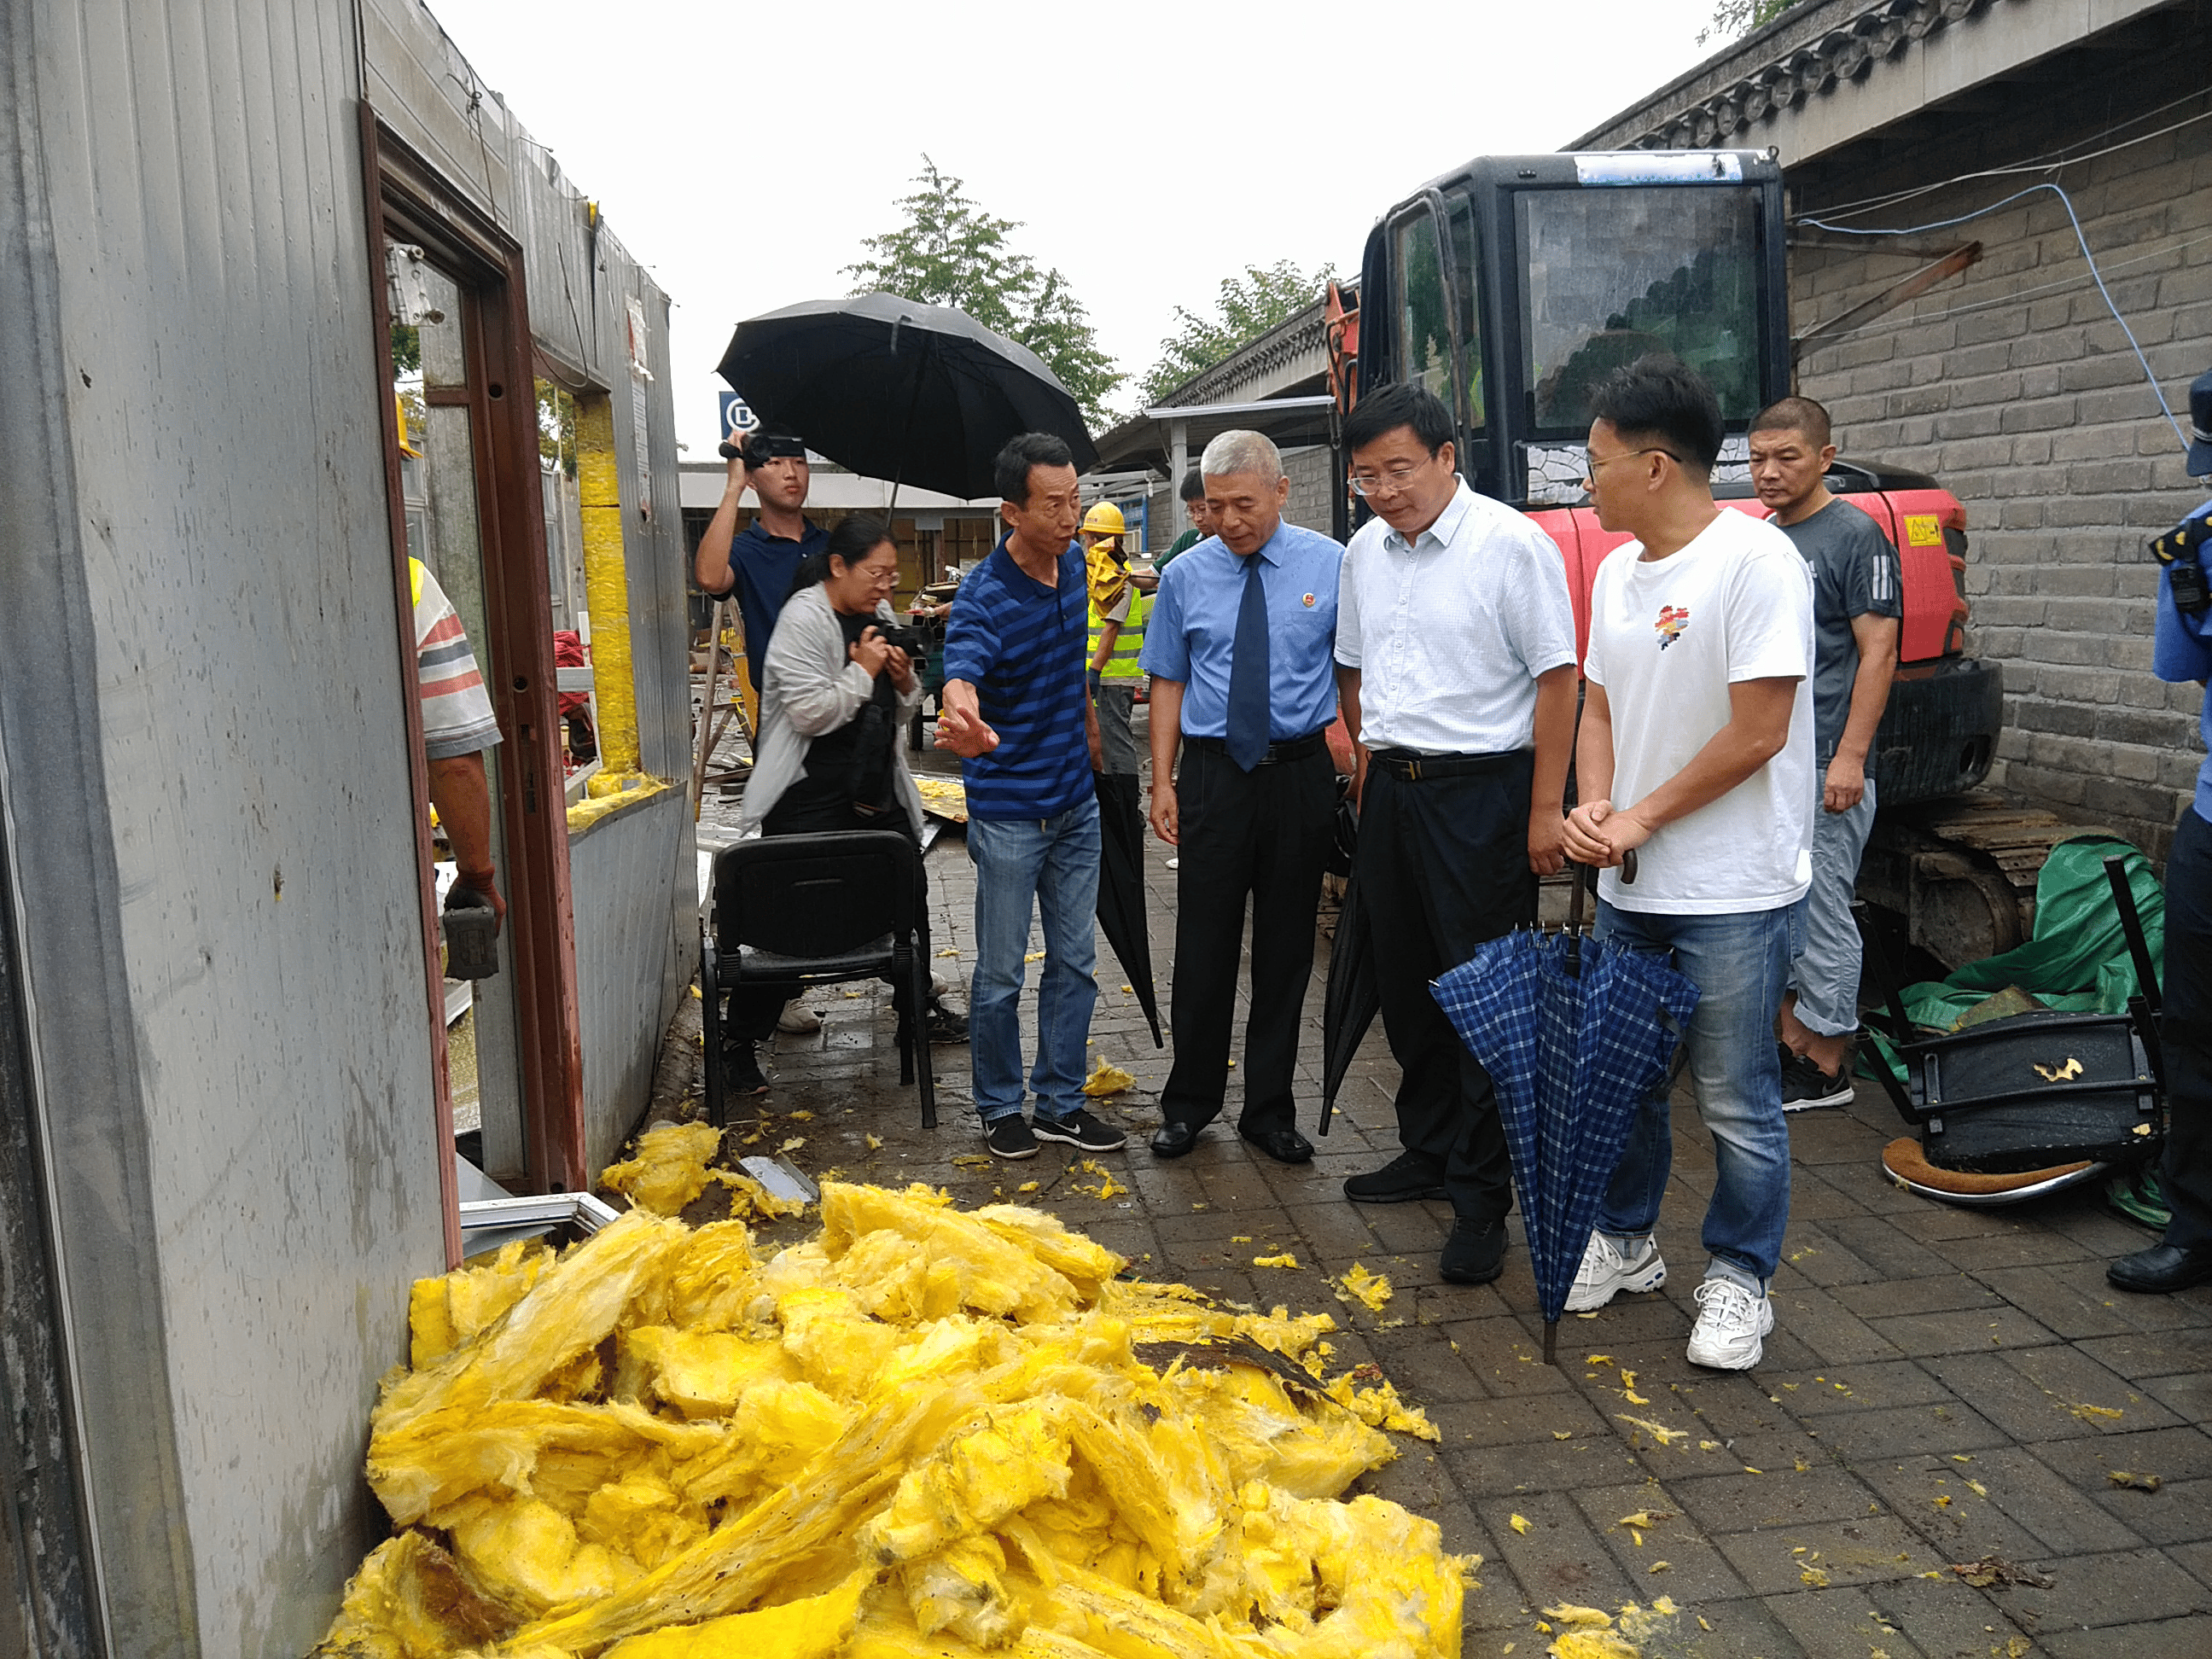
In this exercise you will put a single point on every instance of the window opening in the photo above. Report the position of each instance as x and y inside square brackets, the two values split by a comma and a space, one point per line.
[1611, 275]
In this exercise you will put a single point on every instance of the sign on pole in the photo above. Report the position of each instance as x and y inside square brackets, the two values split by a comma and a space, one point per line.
[737, 417]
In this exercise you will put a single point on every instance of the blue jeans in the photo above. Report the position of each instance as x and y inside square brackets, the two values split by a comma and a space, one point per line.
[1739, 964]
[1050, 865]
[1825, 971]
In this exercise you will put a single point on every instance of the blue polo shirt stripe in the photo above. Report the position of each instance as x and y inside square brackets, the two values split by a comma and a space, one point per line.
[1019, 643]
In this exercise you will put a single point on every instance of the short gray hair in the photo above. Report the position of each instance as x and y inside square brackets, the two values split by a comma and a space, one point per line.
[1242, 452]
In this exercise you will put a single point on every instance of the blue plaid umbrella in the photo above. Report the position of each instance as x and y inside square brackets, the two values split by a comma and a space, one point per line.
[1576, 1034]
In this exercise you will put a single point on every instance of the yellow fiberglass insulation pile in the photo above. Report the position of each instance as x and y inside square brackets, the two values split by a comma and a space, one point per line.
[925, 1432]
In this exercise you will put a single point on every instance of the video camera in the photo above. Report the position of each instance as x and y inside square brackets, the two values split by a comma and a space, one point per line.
[901, 637]
[759, 448]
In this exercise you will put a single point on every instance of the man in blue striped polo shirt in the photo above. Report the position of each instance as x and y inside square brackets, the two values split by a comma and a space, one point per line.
[1017, 712]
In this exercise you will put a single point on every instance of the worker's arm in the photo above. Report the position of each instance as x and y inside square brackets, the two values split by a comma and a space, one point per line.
[1555, 742]
[1167, 738]
[710, 567]
[1876, 638]
[462, 794]
[1107, 634]
[1348, 706]
[1757, 731]
[1091, 737]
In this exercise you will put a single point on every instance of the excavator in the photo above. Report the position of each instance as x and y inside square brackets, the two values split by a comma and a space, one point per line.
[1512, 285]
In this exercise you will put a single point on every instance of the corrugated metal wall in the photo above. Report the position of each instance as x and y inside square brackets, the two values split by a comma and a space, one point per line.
[207, 774]
[201, 753]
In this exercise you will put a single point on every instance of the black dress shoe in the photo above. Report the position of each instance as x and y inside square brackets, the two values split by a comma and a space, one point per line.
[1284, 1145]
[1405, 1177]
[2163, 1267]
[1173, 1139]
[1474, 1254]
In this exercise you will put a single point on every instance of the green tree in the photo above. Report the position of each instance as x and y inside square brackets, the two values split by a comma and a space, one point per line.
[1246, 307]
[949, 251]
[1734, 19]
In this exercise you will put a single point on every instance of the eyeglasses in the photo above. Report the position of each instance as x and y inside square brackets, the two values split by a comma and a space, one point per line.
[1592, 462]
[1388, 482]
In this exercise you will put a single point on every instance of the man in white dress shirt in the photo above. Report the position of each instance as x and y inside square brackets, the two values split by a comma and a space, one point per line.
[1455, 670]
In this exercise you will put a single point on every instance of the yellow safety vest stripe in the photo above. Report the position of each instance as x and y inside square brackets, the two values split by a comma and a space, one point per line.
[1121, 665]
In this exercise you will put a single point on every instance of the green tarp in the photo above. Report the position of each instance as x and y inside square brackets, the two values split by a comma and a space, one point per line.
[2078, 961]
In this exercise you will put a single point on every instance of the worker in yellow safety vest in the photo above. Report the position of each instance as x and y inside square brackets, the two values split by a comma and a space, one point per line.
[1117, 635]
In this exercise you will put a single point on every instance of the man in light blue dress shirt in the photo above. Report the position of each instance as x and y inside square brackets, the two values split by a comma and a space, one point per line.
[1241, 646]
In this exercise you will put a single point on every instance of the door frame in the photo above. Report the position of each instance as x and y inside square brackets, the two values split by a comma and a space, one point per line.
[408, 200]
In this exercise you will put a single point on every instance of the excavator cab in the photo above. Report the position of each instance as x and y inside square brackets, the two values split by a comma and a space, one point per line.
[1511, 286]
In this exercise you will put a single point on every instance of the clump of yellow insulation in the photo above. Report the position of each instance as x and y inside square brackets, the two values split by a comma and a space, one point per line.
[926, 1431]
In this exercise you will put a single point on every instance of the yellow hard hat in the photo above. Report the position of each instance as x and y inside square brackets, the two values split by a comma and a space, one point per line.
[1105, 519]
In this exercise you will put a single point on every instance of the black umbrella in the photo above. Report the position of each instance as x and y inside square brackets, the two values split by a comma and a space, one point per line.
[1349, 1003]
[896, 389]
[1122, 888]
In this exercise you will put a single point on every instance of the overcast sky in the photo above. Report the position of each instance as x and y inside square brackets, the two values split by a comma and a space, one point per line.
[1149, 147]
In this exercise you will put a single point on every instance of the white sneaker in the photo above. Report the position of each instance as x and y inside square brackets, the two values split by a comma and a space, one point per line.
[798, 1019]
[1176, 863]
[1606, 1272]
[1731, 1322]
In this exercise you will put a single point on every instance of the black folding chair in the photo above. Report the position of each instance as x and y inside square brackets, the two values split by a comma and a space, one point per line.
[815, 910]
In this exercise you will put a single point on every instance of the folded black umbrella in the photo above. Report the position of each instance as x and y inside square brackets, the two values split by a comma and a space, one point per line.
[1122, 888]
[1351, 1001]
[895, 389]
[1353, 998]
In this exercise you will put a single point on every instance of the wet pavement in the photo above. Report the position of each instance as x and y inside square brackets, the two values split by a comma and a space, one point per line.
[1944, 1388]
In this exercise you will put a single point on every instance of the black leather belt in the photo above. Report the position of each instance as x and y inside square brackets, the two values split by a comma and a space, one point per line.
[1289, 749]
[1411, 767]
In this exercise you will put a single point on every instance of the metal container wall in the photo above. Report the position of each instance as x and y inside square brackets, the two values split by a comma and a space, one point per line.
[202, 763]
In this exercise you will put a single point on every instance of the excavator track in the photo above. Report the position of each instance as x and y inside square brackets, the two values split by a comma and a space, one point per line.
[1961, 871]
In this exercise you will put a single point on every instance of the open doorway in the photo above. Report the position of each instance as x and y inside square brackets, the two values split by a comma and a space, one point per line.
[465, 477]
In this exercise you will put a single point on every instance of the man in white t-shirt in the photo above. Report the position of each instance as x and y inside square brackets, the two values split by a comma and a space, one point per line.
[1696, 752]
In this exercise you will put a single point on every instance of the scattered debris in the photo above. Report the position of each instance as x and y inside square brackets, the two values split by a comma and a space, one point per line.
[2134, 1482]
[1107, 1079]
[1994, 1570]
[1370, 1291]
[925, 1428]
[1286, 1260]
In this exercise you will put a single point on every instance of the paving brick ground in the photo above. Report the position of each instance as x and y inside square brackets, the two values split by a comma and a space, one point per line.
[1942, 1385]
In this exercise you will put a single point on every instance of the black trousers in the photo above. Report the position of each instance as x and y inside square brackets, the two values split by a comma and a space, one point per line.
[2185, 1032]
[754, 1010]
[1443, 867]
[1264, 834]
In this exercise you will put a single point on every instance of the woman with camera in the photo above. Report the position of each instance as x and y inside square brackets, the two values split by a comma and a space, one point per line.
[838, 690]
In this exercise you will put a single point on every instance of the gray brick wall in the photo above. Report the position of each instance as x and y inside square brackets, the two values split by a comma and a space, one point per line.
[2015, 388]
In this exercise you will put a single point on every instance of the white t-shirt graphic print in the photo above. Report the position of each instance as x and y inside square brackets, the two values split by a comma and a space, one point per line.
[1668, 638]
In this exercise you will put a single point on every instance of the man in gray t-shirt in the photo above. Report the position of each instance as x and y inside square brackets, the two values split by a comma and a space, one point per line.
[1857, 600]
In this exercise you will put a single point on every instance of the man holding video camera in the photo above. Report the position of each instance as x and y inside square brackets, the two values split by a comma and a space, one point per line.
[759, 565]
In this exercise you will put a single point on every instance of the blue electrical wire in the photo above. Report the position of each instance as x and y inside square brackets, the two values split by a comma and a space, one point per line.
[2096, 275]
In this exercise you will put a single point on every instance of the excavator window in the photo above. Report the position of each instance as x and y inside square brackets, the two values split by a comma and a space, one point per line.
[1423, 326]
[1609, 275]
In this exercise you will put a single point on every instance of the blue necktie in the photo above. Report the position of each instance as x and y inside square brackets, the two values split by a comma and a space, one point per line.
[1247, 673]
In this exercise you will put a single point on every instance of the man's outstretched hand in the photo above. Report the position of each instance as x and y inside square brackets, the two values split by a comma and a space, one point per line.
[960, 726]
